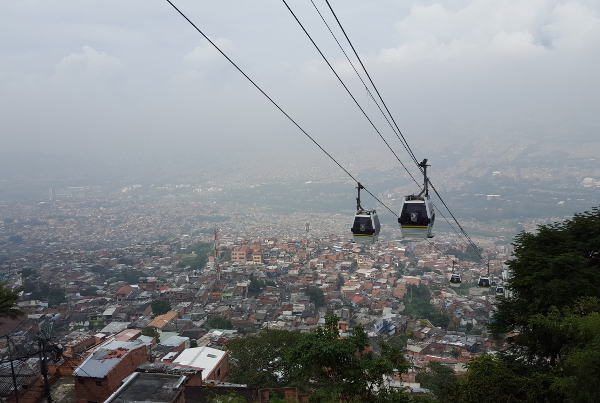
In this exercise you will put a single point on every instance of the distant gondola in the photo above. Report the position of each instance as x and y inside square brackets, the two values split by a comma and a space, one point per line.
[416, 212]
[484, 282]
[365, 228]
[500, 290]
[455, 280]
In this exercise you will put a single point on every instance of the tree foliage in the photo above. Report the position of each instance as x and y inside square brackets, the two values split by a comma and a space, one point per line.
[438, 378]
[198, 260]
[15, 239]
[255, 286]
[316, 295]
[258, 360]
[160, 307]
[469, 255]
[328, 367]
[8, 302]
[342, 369]
[551, 322]
[151, 331]
[219, 322]
[418, 305]
[551, 269]
[89, 291]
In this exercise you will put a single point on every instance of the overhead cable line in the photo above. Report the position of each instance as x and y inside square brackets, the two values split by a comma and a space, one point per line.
[399, 132]
[379, 107]
[385, 116]
[274, 103]
[346, 88]
[459, 226]
[400, 135]
[402, 140]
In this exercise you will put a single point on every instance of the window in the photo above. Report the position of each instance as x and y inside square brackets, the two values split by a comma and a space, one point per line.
[98, 383]
[218, 371]
[80, 380]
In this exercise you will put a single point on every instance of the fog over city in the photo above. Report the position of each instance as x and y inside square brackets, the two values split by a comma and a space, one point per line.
[108, 76]
[116, 91]
[163, 200]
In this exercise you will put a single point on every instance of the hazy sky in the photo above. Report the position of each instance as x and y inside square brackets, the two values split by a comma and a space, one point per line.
[101, 76]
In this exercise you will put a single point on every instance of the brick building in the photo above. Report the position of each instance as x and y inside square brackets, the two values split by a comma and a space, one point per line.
[102, 373]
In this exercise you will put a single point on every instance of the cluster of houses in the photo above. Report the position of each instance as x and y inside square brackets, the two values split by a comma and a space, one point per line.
[110, 352]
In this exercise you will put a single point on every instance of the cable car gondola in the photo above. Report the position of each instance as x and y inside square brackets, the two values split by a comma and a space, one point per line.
[366, 223]
[455, 279]
[484, 282]
[500, 290]
[416, 213]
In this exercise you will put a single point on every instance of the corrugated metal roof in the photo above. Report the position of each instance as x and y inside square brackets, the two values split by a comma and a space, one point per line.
[105, 358]
[205, 358]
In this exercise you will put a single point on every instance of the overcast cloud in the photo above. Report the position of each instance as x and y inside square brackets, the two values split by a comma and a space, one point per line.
[112, 75]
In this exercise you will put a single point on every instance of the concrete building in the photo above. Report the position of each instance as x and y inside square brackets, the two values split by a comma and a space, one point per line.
[213, 363]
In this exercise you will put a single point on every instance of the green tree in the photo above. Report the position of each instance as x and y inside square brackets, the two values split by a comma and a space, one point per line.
[440, 379]
[100, 270]
[219, 322]
[126, 261]
[151, 331]
[160, 307]
[201, 252]
[8, 302]
[225, 396]
[495, 379]
[89, 291]
[258, 360]
[316, 296]
[131, 276]
[225, 255]
[469, 255]
[29, 273]
[418, 305]
[15, 239]
[551, 268]
[577, 328]
[56, 296]
[255, 286]
[342, 369]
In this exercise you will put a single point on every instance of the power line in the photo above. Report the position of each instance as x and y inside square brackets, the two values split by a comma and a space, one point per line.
[401, 136]
[346, 88]
[275, 104]
[360, 78]
[403, 140]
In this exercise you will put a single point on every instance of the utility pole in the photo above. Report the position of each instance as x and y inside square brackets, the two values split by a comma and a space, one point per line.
[12, 370]
[44, 368]
[217, 256]
[45, 345]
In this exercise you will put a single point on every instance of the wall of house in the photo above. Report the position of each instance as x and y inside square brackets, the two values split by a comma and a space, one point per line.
[88, 390]
[221, 371]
